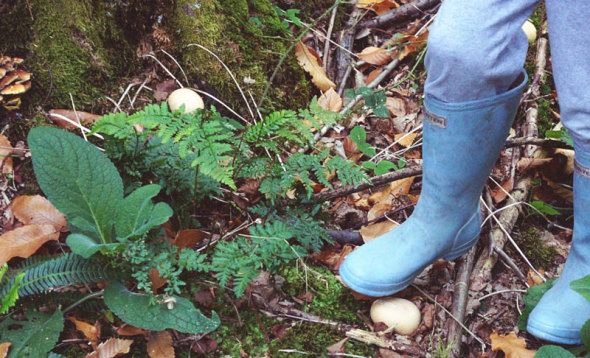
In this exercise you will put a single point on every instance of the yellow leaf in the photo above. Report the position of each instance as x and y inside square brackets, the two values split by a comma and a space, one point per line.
[4, 349]
[90, 331]
[5, 150]
[396, 106]
[375, 55]
[511, 345]
[330, 101]
[401, 186]
[533, 279]
[111, 348]
[159, 345]
[35, 209]
[373, 231]
[378, 6]
[310, 64]
[25, 240]
[405, 139]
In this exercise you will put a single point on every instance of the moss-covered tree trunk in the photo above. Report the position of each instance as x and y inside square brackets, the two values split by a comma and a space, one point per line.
[92, 48]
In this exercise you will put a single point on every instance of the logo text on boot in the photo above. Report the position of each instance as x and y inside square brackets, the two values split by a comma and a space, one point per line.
[435, 120]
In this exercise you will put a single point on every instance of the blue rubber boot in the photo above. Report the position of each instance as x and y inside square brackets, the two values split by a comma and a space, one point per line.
[461, 143]
[560, 314]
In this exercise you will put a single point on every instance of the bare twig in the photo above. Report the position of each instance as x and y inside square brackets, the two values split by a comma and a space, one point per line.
[326, 57]
[508, 261]
[401, 13]
[460, 296]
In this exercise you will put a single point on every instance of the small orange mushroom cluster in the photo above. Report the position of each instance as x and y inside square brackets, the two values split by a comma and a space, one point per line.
[13, 82]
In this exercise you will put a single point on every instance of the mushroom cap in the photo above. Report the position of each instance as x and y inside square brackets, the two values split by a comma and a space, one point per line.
[23, 75]
[2, 72]
[16, 88]
[8, 79]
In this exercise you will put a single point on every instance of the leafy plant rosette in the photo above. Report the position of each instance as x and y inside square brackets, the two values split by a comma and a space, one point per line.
[533, 296]
[112, 238]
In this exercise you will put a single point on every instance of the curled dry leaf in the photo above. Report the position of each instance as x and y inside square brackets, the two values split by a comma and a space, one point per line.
[373, 231]
[90, 331]
[25, 240]
[378, 6]
[159, 345]
[84, 117]
[375, 55]
[330, 101]
[511, 345]
[4, 349]
[5, 152]
[412, 44]
[35, 209]
[500, 193]
[156, 280]
[533, 279]
[111, 348]
[310, 64]
[338, 347]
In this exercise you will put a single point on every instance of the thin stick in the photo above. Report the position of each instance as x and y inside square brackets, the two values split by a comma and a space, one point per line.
[326, 57]
[504, 256]
[400, 13]
[79, 126]
[77, 117]
[223, 104]
[460, 296]
[230, 73]
[483, 344]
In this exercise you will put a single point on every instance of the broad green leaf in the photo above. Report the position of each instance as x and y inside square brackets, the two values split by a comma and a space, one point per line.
[544, 208]
[553, 352]
[531, 298]
[369, 165]
[134, 309]
[37, 336]
[76, 177]
[85, 246]
[381, 111]
[137, 214]
[384, 166]
[582, 286]
[585, 335]
[359, 137]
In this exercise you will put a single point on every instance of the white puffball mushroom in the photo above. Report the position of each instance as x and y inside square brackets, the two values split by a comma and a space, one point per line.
[401, 314]
[530, 30]
[186, 96]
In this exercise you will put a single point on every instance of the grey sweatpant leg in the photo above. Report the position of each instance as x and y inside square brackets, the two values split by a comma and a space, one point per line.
[476, 49]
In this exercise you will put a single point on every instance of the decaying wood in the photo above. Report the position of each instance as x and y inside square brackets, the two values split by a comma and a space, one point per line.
[401, 13]
[346, 237]
[540, 64]
[547, 143]
[460, 295]
[530, 129]
[482, 271]
[343, 59]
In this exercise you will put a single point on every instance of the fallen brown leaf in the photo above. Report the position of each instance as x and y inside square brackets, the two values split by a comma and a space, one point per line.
[333, 259]
[330, 101]
[159, 345]
[533, 279]
[372, 75]
[111, 348]
[85, 117]
[378, 6]
[156, 280]
[310, 64]
[396, 106]
[338, 347]
[413, 43]
[373, 231]
[35, 209]
[375, 55]
[4, 349]
[500, 193]
[25, 240]
[189, 238]
[5, 151]
[129, 330]
[405, 139]
[90, 331]
[511, 345]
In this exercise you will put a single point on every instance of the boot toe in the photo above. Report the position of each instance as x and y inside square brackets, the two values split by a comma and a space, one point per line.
[358, 275]
[548, 325]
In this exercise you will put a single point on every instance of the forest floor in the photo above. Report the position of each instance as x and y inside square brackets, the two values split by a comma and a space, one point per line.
[372, 71]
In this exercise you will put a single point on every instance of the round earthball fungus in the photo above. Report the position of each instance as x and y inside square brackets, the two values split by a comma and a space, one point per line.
[188, 97]
[401, 314]
[530, 30]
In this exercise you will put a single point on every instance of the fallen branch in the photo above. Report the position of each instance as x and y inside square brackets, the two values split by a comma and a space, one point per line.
[461, 293]
[401, 13]
[346, 237]
[375, 181]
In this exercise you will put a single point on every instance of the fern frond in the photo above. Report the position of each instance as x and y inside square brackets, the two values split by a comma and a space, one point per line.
[63, 270]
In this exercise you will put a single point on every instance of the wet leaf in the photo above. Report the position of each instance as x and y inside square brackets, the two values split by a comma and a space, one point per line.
[35, 209]
[5, 150]
[552, 351]
[511, 345]
[84, 117]
[373, 231]
[159, 345]
[330, 101]
[25, 240]
[90, 331]
[310, 64]
[375, 55]
[111, 348]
